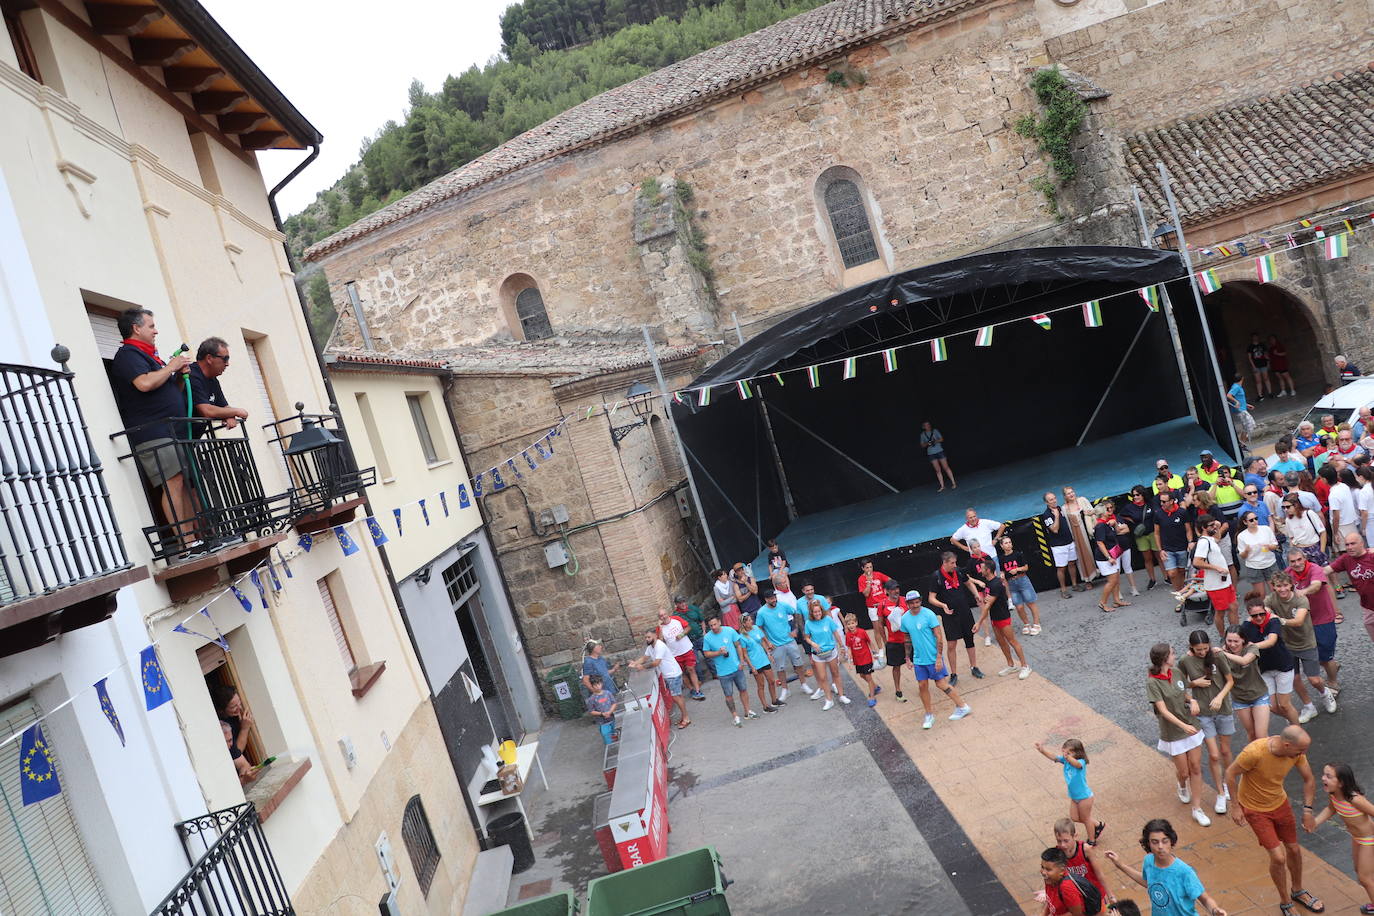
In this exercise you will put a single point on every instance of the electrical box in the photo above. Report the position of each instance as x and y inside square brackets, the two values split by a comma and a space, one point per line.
[350, 754]
[560, 514]
[684, 504]
[556, 554]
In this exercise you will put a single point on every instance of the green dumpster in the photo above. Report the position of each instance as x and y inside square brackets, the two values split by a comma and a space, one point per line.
[566, 689]
[687, 884]
[564, 904]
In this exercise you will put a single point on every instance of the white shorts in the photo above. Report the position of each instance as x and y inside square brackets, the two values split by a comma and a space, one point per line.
[1064, 554]
[1279, 682]
[1107, 567]
[1182, 745]
[873, 613]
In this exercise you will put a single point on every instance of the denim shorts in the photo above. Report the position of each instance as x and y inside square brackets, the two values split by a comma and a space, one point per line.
[1262, 701]
[674, 685]
[1176, 559]
[1021, 589]
[1217, 725]
[729, 683]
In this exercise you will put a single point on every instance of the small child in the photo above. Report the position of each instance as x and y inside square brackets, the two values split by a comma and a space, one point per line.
[1075, 761]
[1191, 589]
[601, 706]
[1081, 861]
[777, 560]
[856, 642]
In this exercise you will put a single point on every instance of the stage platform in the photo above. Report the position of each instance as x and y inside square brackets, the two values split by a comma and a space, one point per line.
[1013, 491]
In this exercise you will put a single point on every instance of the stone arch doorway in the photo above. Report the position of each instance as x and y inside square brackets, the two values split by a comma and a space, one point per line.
[1244, 307]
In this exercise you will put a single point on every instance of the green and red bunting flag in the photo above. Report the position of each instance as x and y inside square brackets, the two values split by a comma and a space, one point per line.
[813, 375]
[1337, 246]
[937, 350]
[851, 367]
[890, 360]
[1264, 268]
[1207, 279]
[704, 396]
[777, 377]
[679, 399]
[1042, 320]
[1092, 314]
[744, 389]
[984, 338]
[1151, 296]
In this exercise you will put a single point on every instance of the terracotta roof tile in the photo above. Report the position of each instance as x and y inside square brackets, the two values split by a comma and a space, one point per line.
[788, 45]
[370, 359]
[1266, 149]
[559, 359]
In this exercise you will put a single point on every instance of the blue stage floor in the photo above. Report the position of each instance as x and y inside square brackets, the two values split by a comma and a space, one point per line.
[1102, 468]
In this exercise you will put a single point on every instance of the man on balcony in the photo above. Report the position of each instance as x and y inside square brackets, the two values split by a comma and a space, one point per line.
[207, 397]
[149, 391]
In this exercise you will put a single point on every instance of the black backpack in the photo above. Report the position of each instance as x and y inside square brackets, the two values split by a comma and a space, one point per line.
[1092, 897]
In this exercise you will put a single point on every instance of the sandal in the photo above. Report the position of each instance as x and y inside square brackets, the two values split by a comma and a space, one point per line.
[1035, 629]
[1025, 630]
[1340, 618]
[1116, 604]
[684, 724]
[1367, 909]
[1104, 609]
[1308, 901]
[1065, 593]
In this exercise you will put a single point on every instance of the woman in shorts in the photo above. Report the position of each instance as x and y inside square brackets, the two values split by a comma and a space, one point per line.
[1257, 548]
[934, 444]
[1019, 585]
[1208, 675]
[822, 635]
[996, 609]
[1180, 732]
[1107, 553]
[760, 659]
[1250, 695]
[1138, 514]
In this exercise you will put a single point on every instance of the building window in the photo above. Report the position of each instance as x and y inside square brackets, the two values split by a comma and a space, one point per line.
[422, 413]
[424, 852]
[374, 438]
[223, 681]
[534, 320]
[331, 611]
[19, 38]
[844, 204]
[460, 579]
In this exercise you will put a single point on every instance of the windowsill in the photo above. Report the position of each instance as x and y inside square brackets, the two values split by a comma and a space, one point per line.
[386, 480]
[363, 678]
[441, 463]
[270, 790]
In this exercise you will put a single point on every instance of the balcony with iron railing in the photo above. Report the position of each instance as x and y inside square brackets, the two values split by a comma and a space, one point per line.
[233, 871]
[62, 559]
[326, 483]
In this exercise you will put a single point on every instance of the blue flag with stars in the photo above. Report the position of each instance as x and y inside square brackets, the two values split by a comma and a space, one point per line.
[397, 514]
[306, 542]
[285, 566]
[443, 502]
[496, 482]
[243, 599]
[256, 579]
[424, 513]
[510, 464]
[378, 535]
[37, 769]
[345, 542]
[477, 486]
[156, 690]
[528, 460]
[542, 452]
[108, 709]
[463, 501]
[272, 574]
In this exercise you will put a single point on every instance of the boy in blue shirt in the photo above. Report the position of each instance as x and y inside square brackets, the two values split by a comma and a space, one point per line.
[927, 637]
[723, 646]
[601, 706]
[1175, 889]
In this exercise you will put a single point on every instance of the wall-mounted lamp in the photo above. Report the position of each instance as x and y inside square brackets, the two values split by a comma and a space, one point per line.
[640, 397]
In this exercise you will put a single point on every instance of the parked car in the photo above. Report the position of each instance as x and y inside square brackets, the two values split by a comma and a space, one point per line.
[1344, 403]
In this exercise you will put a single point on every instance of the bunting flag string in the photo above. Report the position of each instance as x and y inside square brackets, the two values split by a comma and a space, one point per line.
[890, 359]
[156, 690]
[1207, 281]
[745, 391]
[777, 377]
[306, 542]
[424, 512]
[704, 396]
[851, 367]
[243, 599]
[107, 707]
[984, 338]
[1337, 246]
[378, 536]
[1264, 268]
[1043, 320]
[813, 375]
[463, 500]
[937, 350]
[256, 579]
[1151, 296]
[396, 514]
[477, 486]
[443, 498]
[1092, 314]
[345, 542]
[37, 769]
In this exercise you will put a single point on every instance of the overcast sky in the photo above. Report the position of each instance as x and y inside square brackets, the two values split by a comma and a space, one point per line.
[347, 68]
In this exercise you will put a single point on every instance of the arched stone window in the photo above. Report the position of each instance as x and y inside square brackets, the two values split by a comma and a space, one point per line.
[523, 306]
[847, 212]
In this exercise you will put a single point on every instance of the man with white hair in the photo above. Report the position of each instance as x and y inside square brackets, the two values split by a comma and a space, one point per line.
[1348, 370]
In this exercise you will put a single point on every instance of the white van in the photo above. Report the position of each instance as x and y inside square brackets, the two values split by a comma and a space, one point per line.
[1344, 403]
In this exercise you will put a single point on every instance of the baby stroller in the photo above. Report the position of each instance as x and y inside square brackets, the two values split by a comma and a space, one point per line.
[1193, 598]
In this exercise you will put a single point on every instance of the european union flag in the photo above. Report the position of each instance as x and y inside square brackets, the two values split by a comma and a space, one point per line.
[272, 572]
[345, 542]
[286, 567]
[397, 514]
[306, 542]
[510, 463]
[156, 690]
[424, 513]
[37, 769]
[463, 501]
[256, 579]
[108, 709]
[496, 482]
[477, 486]
[243, 599]
[542, 452]
[378, 535]
[528, 460]
[443, 501]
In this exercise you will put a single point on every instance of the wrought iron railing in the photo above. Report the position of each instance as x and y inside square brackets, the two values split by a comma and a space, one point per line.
[56, 524]
[319, 459]
[223, 501]
[234, 872]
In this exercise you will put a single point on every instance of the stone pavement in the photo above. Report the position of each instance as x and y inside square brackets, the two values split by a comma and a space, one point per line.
[860, 811]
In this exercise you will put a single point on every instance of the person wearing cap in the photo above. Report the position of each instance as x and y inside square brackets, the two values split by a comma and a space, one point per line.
[1163, 475]
[1208, 467]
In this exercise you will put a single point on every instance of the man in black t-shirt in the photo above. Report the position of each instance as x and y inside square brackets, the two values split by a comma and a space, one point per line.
[1059, 536]
[207, 397]
[1174, 531]
[952, 596]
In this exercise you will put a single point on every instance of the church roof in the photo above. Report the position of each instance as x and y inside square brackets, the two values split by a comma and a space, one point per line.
[557, 358]
[1270, 148]
[763, 55]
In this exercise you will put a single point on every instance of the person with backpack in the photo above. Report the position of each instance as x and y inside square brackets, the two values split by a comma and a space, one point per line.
[1066, 894]
[1175, 889]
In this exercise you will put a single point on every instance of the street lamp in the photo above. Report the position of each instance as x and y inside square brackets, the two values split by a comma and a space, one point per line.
[1166, 236]
[640, 397]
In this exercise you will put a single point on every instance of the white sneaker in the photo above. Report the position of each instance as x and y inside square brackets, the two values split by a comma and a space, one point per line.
[1307, 714]
[1025, 673]
[751, 714]
[960, 713]
[782, 695]
[816, 694]
[844, 699]
[987, 640]
[1220, 806]
[1135, 592]
[929, 721]
[829, 704]
[1329, 701]
[1185, 795]
[1010, 669]
[1202, 819]
[738, 723]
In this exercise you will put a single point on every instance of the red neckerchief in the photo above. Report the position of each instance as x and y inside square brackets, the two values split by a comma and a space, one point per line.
[1268, 616]
[951, 578]
[1166, 676]
[1171, 510]
[1275, 490]
[144, 348]
[1329, 432]
[1352, 450]
[1109, 519]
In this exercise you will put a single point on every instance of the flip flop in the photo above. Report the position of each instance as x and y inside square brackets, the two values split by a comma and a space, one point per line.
[1340, 618]
[1311, 903]
[1117, 604]
[1106, 610]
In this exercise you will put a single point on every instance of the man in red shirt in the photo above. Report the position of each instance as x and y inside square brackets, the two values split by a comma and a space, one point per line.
[1062, 896]
[1358, 563]
[1310, 582]
[871, 586]
[896, 637]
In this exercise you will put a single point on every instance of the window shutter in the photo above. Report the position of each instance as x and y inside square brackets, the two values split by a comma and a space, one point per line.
[106, 331]
[269, 415]
[340, 637]
[43, 863]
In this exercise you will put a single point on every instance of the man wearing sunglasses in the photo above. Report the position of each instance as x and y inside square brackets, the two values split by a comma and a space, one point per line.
[207, 397]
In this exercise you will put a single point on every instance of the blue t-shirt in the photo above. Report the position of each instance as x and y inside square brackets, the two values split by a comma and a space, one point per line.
[1302, 443]
[713, 642]
[822, 633]
[1291, 464]
[1260, 509]
[920, 626]
[1076, 778]
[599, 666]
[1174, 890]
[1237, 391]
[753, 644]
[776, 623]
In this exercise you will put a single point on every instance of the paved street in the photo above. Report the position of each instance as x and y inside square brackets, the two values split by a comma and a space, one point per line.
[860, 811]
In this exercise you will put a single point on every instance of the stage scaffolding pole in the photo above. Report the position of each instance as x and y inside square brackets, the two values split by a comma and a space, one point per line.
[772, 441]
[1168, 187]
[681, 449]
[1120, 365]
[1168, 305]
[837, 451]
